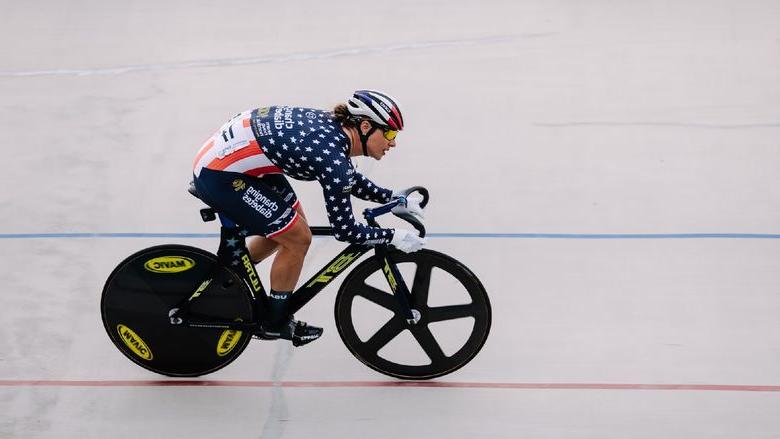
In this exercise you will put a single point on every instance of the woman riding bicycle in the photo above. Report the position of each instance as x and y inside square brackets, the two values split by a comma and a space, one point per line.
[240, 171]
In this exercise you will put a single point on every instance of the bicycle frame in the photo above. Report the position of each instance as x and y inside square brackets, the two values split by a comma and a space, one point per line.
[233, 254]
[337, 265]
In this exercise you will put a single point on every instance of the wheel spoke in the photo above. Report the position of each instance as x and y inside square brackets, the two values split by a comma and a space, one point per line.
[428, 343]
[387, 332]
[451, 312]
[421, 284]
[379, 297]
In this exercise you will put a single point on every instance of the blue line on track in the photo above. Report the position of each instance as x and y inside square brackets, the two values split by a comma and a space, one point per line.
[432, 235]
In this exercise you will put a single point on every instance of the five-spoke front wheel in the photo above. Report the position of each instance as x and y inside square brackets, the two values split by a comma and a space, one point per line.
[370, 322]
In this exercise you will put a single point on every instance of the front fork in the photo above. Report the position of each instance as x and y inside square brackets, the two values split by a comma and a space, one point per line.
[397, 285]
[390, 269]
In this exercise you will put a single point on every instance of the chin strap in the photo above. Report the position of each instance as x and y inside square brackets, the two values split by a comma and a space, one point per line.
[364, 138]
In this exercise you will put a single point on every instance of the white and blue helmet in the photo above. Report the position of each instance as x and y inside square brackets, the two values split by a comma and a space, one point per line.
[377, 106]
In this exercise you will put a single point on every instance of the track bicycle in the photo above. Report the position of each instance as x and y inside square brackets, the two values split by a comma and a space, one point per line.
[182, 311]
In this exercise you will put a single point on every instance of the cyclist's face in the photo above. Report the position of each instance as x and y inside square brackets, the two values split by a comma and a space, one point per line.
[378, 145]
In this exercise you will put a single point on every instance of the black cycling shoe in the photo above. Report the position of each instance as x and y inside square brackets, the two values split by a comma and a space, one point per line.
[299, 332]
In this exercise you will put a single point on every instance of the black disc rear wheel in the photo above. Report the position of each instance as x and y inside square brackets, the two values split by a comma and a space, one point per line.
[141, 291]
[370, 323]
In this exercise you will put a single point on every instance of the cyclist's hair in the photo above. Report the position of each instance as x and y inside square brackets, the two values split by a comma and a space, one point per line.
[342, 116]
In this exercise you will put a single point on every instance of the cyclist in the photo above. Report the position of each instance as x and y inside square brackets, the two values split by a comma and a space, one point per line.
[241, 169]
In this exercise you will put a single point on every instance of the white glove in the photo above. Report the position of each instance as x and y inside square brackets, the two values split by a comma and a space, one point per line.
[407, 241]
[412, 207]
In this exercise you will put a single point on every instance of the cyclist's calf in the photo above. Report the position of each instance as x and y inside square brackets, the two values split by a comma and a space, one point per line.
[293, 246]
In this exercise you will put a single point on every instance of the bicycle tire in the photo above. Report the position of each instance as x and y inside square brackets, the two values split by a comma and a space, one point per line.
[144, 287]
[440, 364]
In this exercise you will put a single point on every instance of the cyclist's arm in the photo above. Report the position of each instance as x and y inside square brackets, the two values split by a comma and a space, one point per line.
[338, 205]
[367, 190]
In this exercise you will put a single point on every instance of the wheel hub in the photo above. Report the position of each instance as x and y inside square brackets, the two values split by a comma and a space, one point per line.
[417, 316]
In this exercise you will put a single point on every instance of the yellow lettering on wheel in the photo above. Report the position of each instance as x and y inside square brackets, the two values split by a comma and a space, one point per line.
[134, 342]
[169, 264]
[227, 341]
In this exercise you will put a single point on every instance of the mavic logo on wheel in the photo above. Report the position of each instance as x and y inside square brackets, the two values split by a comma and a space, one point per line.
[227, 341]
[333, 269]
[390, 277]
[134, 342]
[169, 264]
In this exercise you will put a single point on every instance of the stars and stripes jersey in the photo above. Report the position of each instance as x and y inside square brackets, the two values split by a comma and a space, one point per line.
[305, 144]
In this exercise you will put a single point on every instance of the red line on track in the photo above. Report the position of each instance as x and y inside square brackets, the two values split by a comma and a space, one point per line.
[368, 384]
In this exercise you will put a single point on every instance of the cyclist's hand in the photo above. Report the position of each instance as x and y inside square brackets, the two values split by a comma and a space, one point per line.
[407, 241]
[412, 206]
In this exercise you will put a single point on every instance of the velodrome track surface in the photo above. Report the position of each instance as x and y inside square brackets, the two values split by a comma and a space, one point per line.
[609, 170]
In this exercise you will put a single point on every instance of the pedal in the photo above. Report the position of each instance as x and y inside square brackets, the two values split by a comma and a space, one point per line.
[298, 332]
[261, 334]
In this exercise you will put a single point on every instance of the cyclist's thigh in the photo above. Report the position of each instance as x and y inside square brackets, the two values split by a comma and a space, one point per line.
[248, 201]
[280, 184]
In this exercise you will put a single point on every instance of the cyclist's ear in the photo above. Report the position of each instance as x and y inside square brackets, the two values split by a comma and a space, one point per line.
[365, 126]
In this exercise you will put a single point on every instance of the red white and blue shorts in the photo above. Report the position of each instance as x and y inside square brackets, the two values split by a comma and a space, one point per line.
[263, 206]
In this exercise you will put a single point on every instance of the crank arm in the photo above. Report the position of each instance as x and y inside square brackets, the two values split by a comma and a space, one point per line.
[204, 321]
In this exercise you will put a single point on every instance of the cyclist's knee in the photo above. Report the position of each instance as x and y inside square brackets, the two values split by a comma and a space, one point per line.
[305, 237]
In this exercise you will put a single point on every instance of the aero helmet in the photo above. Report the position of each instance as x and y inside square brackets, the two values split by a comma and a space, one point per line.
[377, 106]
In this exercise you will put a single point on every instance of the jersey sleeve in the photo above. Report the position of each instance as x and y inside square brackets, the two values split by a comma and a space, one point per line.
[367, 190]
[338, 178]
[338, 204]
